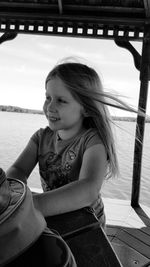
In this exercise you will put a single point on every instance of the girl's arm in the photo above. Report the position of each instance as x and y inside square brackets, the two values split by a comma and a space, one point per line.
[80, 193]
[24, 164]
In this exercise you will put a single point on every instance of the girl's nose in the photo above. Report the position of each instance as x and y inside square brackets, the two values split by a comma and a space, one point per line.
[51, 106]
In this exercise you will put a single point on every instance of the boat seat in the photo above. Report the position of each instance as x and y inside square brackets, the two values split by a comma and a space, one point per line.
[87, 240]
[90, 244]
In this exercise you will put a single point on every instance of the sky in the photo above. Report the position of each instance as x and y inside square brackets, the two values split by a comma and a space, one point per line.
[26, 61]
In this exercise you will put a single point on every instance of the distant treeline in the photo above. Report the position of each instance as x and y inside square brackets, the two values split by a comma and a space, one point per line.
[34, 111]
[19, 110]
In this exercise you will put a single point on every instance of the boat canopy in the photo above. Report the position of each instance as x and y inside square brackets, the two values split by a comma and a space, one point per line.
[120, 20]
[109, 19]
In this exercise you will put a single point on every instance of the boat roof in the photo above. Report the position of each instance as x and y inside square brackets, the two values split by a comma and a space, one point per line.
[108, 19]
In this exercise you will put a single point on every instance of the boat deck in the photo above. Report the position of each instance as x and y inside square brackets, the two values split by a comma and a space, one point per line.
[128, 230]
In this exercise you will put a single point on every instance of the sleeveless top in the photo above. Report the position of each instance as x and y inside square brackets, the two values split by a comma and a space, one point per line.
[60, 160]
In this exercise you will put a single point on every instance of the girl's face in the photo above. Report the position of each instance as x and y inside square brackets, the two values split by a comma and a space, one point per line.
[63, 112]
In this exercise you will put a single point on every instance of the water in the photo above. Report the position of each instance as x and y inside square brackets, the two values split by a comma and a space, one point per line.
[17, 128]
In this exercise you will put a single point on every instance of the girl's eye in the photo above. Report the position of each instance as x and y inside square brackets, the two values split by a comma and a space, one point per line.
[60, 100]
[48, 98]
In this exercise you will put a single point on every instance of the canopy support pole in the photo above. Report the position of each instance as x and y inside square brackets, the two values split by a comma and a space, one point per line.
[142, 63]
[140, 125]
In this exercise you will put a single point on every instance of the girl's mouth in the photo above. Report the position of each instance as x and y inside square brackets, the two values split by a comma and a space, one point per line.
[53, 119]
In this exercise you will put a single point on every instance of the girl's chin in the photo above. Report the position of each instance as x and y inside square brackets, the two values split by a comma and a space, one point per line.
[53, 126]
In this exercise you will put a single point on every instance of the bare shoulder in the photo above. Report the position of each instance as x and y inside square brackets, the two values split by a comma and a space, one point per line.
[97, 152]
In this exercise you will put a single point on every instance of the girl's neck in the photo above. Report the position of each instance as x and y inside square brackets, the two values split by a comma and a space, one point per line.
[65, 135]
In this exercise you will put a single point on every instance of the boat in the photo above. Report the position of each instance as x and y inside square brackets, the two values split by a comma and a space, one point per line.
[127, 238]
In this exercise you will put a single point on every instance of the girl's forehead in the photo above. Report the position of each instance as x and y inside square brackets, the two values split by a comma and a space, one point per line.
[56, 86]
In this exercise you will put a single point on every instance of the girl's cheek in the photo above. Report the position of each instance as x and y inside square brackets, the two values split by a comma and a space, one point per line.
[45, 107]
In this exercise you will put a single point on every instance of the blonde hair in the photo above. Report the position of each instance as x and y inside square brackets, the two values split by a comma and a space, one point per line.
[85, 85]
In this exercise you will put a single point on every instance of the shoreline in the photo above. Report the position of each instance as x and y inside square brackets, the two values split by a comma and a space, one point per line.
[34, 111]
[19, 110]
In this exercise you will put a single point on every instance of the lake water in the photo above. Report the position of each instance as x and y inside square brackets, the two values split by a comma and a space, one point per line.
[16, 129]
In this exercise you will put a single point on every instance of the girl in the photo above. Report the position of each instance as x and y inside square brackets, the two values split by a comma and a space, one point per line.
[76, 151]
